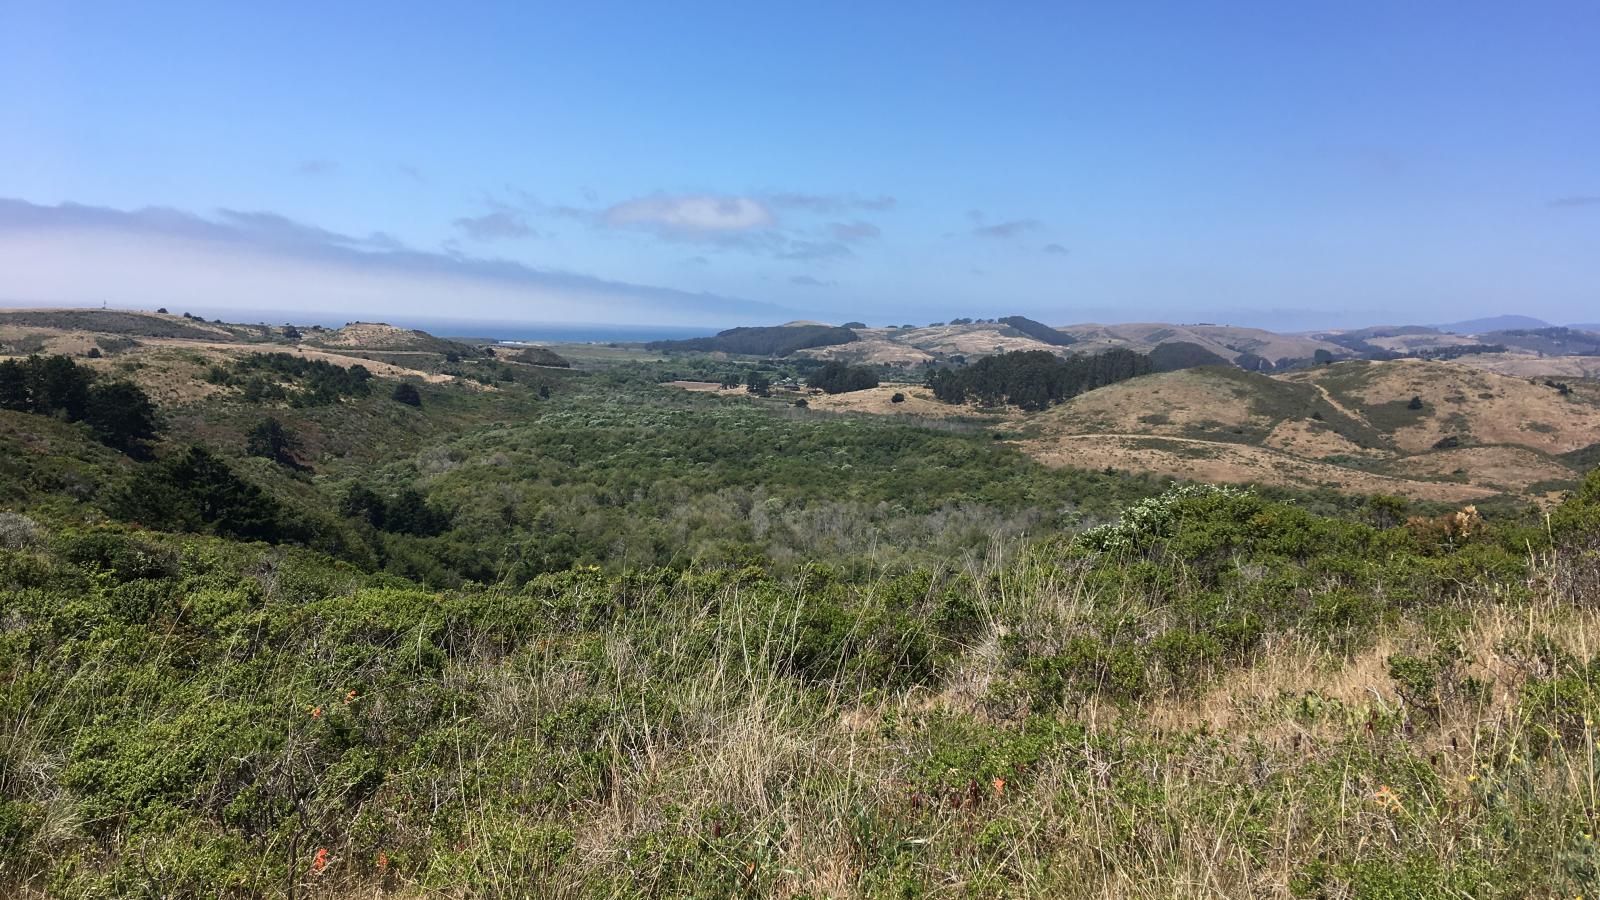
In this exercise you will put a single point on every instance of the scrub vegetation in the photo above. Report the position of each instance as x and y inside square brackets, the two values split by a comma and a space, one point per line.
[579, 634]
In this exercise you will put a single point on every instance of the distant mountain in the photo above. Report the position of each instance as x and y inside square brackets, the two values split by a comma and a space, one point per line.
[1548, 341]
[1494, 323]
[776, 340]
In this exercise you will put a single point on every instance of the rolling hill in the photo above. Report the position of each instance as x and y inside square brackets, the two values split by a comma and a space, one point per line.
[1353, 426]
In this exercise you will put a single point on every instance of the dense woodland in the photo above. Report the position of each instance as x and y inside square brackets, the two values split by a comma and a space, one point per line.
[584, 634]
[1035, 379]
[1038, 331]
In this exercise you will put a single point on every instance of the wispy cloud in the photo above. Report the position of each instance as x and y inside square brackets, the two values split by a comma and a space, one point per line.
[693, 216]
[809, 281]
[827, 204]
[852, 232]
[746, 223]
[792, 248]
[73, 254]
[1055, 250]
[1011, 229]
[412, 172]
[317, 167]
[501, 223]
[1576, 201]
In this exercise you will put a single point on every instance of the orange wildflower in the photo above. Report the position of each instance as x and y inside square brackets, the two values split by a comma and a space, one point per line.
[999, 786]
[320, 861]
[316, 712]
[1386, 797]
[350, 697]
[383, 861]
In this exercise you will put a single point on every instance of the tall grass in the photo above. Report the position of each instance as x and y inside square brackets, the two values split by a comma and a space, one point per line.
[188, 717]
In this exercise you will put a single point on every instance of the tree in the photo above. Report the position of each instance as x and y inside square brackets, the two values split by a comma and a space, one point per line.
[854, 325]
[801, 402]
[57, 386]
[13, 386]
[838, 378]
[94, 353]
[362, 502]
[121, 415]
[1034, 379]
[270, 439]
[291, 332]
[197, 491]
[898, 398]
[407, 393]
[758, 384]
[410, 513]
[1416, 403]
[162, 310]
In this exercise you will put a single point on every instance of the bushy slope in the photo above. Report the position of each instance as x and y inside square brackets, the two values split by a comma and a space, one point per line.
[1357, 712]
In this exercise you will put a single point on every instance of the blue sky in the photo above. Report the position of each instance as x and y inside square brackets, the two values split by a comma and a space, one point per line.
[1291, 165]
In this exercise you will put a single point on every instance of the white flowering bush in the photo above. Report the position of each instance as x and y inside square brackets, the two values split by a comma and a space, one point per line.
[1153, 516]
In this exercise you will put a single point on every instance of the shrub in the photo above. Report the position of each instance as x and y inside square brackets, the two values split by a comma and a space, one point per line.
[406, 393]
[17, 531]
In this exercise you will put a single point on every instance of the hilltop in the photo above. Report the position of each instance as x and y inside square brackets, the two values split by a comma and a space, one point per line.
[1527, 351]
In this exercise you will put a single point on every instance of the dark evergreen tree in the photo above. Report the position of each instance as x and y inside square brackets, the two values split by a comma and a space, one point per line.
[1034, 379]
[14, 386]
[57, 386]
[410, 513]
[407, 393]
[362, 502]
[270, 439]
[838, 378]
[196, 491]
[121, 415]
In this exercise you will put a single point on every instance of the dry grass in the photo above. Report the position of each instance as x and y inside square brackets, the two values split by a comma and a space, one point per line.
[1221, 462]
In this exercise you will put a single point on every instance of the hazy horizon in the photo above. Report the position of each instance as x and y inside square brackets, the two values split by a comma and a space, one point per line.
[710, 166]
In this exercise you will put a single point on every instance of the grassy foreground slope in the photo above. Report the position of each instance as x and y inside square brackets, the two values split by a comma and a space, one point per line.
[1219, 696]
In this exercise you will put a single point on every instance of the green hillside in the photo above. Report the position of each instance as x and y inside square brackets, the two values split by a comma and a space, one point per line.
[536, 632]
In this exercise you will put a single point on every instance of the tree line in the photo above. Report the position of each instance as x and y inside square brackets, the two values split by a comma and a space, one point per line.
[118, 412]
[839, 378]
[1035, 379]
[312, 382]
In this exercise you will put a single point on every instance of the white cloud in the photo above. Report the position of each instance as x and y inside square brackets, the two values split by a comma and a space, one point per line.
[691, 215]
[76, 255]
